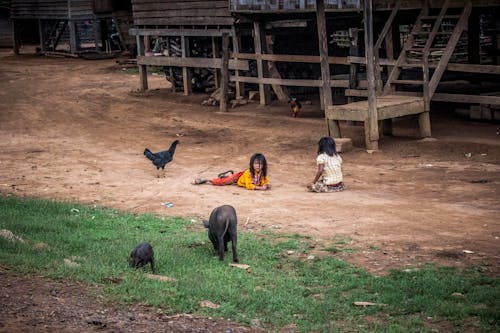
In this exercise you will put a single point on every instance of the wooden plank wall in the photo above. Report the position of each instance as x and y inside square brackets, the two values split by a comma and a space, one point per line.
[181, 12]
[52, 9]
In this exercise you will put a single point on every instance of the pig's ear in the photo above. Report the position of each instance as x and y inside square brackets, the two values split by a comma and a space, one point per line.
[205, 223]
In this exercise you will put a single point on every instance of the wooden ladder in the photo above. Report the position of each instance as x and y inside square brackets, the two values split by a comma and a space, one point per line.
[431, 43]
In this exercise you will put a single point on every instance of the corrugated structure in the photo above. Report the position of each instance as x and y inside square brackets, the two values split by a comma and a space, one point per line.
[183, 13]
[70, 26]
[59, 9]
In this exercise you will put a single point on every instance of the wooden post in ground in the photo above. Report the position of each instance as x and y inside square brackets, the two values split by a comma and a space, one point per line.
[73, 45]
[389, 51]
[41, 35]
[224, 73]
[332, 125]
[143, 70]
[16, 43]
[424, 120]
[170, 68]
[371, 123]
[95, 30]
[353, 68]
[215, 54]
[240, 86]
[186, 72]
[257, 37]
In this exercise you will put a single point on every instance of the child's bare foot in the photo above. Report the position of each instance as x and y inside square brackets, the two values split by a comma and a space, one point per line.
[199, 181]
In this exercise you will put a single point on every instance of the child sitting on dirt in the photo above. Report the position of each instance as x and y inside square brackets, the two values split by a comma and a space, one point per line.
[329, 174]
[253, 178]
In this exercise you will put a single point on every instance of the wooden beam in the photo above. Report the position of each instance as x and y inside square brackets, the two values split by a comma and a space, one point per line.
[179, 32]
[224, 73]
[371, 124]
[290, 82]
[240, 86]
[16, 41]
[452, 67]
[461, 98]
[260, 68]
[291, 58]
[192, 62]
[215, 54]
[326, 90]
[186, 72]
[143, 73]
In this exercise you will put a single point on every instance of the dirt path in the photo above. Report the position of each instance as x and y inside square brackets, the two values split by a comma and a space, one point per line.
[75, 130]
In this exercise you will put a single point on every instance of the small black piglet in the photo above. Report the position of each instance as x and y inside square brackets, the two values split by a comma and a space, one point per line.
[141, 256]
[222, 228]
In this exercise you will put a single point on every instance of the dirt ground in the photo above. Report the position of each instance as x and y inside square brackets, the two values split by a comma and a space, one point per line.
[75, 130]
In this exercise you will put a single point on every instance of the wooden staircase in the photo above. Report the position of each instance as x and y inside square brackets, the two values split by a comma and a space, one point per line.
[428, 48]
[52, 38]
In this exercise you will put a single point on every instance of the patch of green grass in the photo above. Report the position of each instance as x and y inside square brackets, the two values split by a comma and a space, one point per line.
[317, 295]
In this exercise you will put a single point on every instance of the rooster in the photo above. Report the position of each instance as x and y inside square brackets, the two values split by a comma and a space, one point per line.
[161, 158]
[295, 106]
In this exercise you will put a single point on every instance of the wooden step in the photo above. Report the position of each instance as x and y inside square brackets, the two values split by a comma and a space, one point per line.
[389, 106]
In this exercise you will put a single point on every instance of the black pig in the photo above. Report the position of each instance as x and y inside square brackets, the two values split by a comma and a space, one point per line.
[222, 228]
[141, 256]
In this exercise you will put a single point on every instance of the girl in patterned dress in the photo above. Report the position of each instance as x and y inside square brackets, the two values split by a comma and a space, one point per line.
[328, 177]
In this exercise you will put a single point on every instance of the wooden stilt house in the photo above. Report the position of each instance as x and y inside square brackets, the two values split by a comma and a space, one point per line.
[370, 61]
[68, 26]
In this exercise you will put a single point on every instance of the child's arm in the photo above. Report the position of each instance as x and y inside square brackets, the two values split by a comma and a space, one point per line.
[318, 173]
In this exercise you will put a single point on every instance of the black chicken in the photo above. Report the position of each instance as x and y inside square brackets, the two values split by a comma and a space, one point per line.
[161, 158]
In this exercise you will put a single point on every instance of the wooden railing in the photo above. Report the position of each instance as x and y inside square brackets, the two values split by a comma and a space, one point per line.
[291, 5]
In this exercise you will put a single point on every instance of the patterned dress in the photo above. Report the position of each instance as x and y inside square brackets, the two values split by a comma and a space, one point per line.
[331, 179]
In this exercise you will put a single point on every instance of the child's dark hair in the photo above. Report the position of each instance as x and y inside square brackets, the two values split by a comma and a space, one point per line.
[327, 145]
[258, 157]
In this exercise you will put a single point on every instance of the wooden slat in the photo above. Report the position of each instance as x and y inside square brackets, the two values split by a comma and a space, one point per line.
[461, 98]
[290, 82]
[291, 58]
[180, 32]
[192, 62]
[194, 20]
[452, 67]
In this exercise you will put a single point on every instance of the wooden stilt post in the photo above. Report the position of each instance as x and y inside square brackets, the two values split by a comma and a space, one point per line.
[260, 67]
[186, 72]
[389, 51]
[424, 120]
[41, 35]
[240, 86]
[224, 73]
[215, 54]
[73, 45]
[143, 71]
[16, 42]
[170, 68]
[332, 125]
[95, 29]
[353, 68]
[371, 123]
